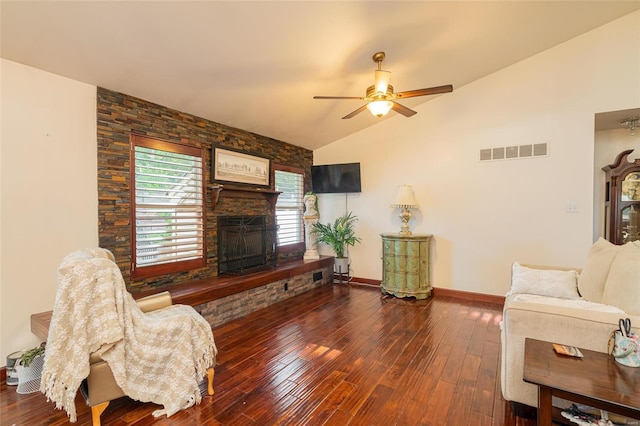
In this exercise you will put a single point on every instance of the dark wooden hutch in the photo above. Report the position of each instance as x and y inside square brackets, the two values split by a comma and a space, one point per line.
[622, 200]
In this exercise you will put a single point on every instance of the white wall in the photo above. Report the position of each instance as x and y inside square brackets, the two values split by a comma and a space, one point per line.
[486, 215]
[608, 144]
[49, 199]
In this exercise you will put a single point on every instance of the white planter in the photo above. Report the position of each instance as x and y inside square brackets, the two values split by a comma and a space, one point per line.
[29, 377]
[341, 265]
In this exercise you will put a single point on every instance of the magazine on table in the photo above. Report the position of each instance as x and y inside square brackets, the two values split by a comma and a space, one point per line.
[567, 350]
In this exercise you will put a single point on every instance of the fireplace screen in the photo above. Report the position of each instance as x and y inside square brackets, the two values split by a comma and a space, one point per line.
[246, 244]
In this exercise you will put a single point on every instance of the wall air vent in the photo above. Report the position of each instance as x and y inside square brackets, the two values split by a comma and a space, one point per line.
[539, 149]
[485, 154]
[511, 152]
[526, 150]
[515, 151]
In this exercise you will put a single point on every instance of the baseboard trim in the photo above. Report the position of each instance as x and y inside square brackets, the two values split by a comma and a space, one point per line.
[366, 281]
[459, 294]
[443, 292]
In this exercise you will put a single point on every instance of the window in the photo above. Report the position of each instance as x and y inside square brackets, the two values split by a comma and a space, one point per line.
[168, 224]
[289, 208]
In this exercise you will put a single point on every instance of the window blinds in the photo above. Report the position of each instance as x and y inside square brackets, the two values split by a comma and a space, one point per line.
[169, 222]
[289, 207]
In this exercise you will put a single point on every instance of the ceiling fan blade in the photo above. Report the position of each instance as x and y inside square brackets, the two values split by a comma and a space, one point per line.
[407, 112]
[339, 97]
[423, 92]
[358, 111]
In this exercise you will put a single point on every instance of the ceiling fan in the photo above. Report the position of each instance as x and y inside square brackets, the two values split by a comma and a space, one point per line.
[380, 96]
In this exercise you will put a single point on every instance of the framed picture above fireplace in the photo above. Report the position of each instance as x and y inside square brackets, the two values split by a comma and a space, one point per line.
[238, 167]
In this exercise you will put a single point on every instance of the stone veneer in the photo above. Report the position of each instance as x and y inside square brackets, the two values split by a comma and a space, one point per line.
[119, 116]
[219, 311]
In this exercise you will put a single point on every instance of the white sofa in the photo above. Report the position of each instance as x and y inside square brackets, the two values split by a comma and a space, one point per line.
[572, 307]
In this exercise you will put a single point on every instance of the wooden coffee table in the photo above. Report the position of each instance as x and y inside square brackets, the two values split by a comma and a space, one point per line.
[595, 380]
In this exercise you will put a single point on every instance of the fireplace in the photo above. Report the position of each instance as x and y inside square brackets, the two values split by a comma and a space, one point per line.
[246, 244]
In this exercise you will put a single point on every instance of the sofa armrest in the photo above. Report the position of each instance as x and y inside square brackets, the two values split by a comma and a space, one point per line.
[155, 301]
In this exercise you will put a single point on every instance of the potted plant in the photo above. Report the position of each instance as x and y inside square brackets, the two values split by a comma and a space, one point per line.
[338, 236]
[28, 356]
[29, 370]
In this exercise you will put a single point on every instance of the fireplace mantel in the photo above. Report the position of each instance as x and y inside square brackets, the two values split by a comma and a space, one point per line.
[232, 191]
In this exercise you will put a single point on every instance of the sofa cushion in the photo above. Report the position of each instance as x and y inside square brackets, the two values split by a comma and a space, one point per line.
[544, 282]
[622, 288]
[596, 269]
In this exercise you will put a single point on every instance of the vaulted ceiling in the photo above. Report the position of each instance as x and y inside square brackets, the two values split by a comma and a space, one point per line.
[256, 65]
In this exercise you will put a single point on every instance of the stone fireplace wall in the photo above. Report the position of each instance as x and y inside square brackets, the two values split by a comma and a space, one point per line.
[219, 311]
[120, 115]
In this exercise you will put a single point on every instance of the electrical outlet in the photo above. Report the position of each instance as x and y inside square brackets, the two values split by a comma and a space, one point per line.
[572, 208]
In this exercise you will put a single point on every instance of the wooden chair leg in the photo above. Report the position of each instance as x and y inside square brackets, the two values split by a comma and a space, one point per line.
[210, 374]
[96, 411]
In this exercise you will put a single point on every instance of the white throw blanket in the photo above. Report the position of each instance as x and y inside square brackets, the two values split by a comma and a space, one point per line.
[155, 357]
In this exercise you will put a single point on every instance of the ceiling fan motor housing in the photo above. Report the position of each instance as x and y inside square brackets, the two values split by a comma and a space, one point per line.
[372, 94]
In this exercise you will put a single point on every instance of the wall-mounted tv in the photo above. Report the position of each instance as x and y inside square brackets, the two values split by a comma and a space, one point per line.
[336, 178]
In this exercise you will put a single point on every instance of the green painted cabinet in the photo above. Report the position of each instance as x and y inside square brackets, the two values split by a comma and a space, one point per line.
[405, 265]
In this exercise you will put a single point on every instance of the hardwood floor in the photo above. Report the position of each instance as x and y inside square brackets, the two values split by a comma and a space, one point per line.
[336, 355]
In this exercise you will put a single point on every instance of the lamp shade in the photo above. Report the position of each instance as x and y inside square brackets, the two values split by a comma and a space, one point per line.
[379, 108]
[405, 197]
[382, 81]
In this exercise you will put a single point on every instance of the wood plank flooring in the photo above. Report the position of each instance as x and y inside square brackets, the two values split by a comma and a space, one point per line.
[336, 355]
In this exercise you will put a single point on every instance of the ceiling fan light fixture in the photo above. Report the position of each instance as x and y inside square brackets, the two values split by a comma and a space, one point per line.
[380, 97]
[379, 108]
[631, 123]
[382, 80]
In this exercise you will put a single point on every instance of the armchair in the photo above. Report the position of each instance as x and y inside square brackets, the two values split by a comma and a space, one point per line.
[106, 344]
[100, 387]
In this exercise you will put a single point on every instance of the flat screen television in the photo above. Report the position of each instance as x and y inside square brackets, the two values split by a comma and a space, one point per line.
[336, 178]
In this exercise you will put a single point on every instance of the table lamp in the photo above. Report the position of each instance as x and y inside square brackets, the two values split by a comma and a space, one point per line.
[405, 200]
